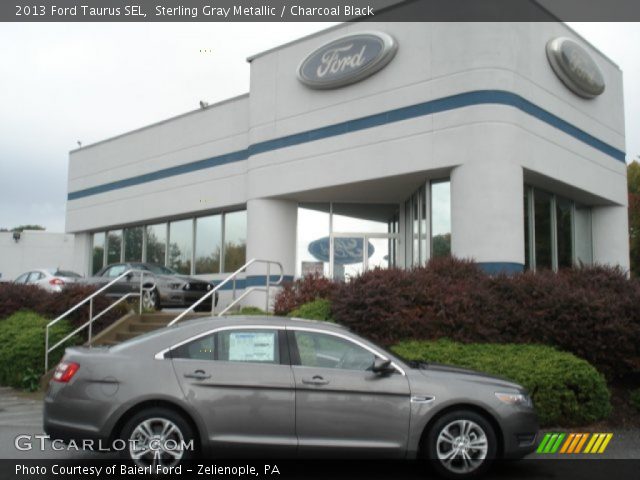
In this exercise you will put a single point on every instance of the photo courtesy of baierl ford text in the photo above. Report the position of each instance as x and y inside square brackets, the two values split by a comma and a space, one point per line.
[320, 239]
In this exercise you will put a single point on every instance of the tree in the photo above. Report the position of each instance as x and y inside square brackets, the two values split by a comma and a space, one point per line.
[22, 228]
[633, 180]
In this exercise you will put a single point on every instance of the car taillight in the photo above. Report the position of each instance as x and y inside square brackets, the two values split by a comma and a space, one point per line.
[56, 281]
[65, 371]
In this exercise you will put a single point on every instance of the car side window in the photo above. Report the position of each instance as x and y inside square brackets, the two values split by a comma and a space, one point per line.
[34, 277]
[203, 348]
[329, 351]
[255, 346]
[243, 345]
[114, 271]
[22, 278]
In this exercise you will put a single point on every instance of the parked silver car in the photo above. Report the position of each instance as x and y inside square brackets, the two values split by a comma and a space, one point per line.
[165, 288]
[286, 387]
[50, 279]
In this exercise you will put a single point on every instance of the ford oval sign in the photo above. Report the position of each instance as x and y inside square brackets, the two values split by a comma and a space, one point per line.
[347, 60]
[575, 67]
[347, 250]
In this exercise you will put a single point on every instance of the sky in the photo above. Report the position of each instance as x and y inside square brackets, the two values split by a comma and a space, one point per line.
[64, 83]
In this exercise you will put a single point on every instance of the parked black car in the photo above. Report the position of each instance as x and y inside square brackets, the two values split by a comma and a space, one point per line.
[164, 287]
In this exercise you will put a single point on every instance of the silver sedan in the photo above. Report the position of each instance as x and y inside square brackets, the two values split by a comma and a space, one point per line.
[285, 387]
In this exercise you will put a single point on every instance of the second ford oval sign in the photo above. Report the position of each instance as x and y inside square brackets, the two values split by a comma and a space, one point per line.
[575, 67]
[347, 60]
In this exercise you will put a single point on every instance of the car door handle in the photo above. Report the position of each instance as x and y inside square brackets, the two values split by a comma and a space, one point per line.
[197, 375]
[315, 380]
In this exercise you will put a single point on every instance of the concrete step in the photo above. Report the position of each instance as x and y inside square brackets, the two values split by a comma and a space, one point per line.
[122, 336]
[143, 327]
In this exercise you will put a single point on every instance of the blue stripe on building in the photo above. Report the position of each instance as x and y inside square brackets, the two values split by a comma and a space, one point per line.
[480, 97]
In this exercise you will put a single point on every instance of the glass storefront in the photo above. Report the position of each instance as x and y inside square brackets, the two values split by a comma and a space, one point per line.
[557, 231]
[429, 225]
[203, 245]
[114, 246]
[208, 244]
[133, 244]
[342, 240]
[235, 240]
[97, 254]
[156, 243]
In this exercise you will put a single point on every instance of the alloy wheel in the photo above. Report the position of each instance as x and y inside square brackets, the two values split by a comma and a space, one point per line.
[462, 446]
[156, 441]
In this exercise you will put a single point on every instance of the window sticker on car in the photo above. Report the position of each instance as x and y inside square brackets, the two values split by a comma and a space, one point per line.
[252, 347]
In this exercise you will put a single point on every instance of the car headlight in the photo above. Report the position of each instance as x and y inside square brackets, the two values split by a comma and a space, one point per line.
[517, 399]
[187, 286]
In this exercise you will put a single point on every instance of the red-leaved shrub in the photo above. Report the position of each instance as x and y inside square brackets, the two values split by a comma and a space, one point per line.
[15, 297]
[301, 291]
[592, 312]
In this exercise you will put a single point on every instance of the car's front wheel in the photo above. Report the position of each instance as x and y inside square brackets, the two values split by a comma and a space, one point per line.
[461, 444]
[151, 299]
[158, 436]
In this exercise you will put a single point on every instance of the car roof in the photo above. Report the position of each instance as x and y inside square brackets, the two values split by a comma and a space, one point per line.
[155, 340]
[267, 320]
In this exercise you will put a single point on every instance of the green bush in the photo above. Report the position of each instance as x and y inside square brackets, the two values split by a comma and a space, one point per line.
[635, 399]
[319, 309]
[22, 347]
[566, 390]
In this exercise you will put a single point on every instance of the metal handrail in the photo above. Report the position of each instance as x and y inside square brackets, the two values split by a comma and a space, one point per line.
[230, 278]
[92, 318]
[244, 294]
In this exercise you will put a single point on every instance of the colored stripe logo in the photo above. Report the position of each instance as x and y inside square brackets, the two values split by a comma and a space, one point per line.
[574, 443]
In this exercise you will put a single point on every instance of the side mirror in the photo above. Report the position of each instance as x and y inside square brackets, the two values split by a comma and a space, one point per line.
[382, 367]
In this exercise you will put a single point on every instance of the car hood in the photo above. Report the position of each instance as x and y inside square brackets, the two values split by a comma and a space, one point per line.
[184, 278]
[466, 374]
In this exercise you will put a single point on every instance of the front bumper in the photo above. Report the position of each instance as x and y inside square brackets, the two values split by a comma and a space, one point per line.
[520, 432]
[184, 298]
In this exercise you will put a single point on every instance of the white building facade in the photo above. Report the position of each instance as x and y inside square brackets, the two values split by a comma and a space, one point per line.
[375, 145]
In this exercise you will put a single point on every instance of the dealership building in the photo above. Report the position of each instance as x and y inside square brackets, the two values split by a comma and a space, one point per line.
[375, 145]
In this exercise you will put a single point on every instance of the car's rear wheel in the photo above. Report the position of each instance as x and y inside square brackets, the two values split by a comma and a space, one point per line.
[158, 436]
[461, 444]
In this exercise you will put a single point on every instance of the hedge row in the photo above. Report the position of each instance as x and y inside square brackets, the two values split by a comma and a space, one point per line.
[14, 298]
[593, 312]
[566, 390]
[22, 346]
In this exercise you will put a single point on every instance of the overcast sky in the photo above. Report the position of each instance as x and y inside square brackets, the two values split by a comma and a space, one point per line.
[60, 83]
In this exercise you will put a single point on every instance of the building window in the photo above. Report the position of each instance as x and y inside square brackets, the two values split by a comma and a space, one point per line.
[440, 219]
[345, 239]
[542, 230]
[428, 223]
[133, 244]
[97, 257]
[582, 236]
[208, 244]
[313, 239]
[156, 243]
[114, 246]
[195, 245]
[557, 231]
[235, 240]
[181, 245]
